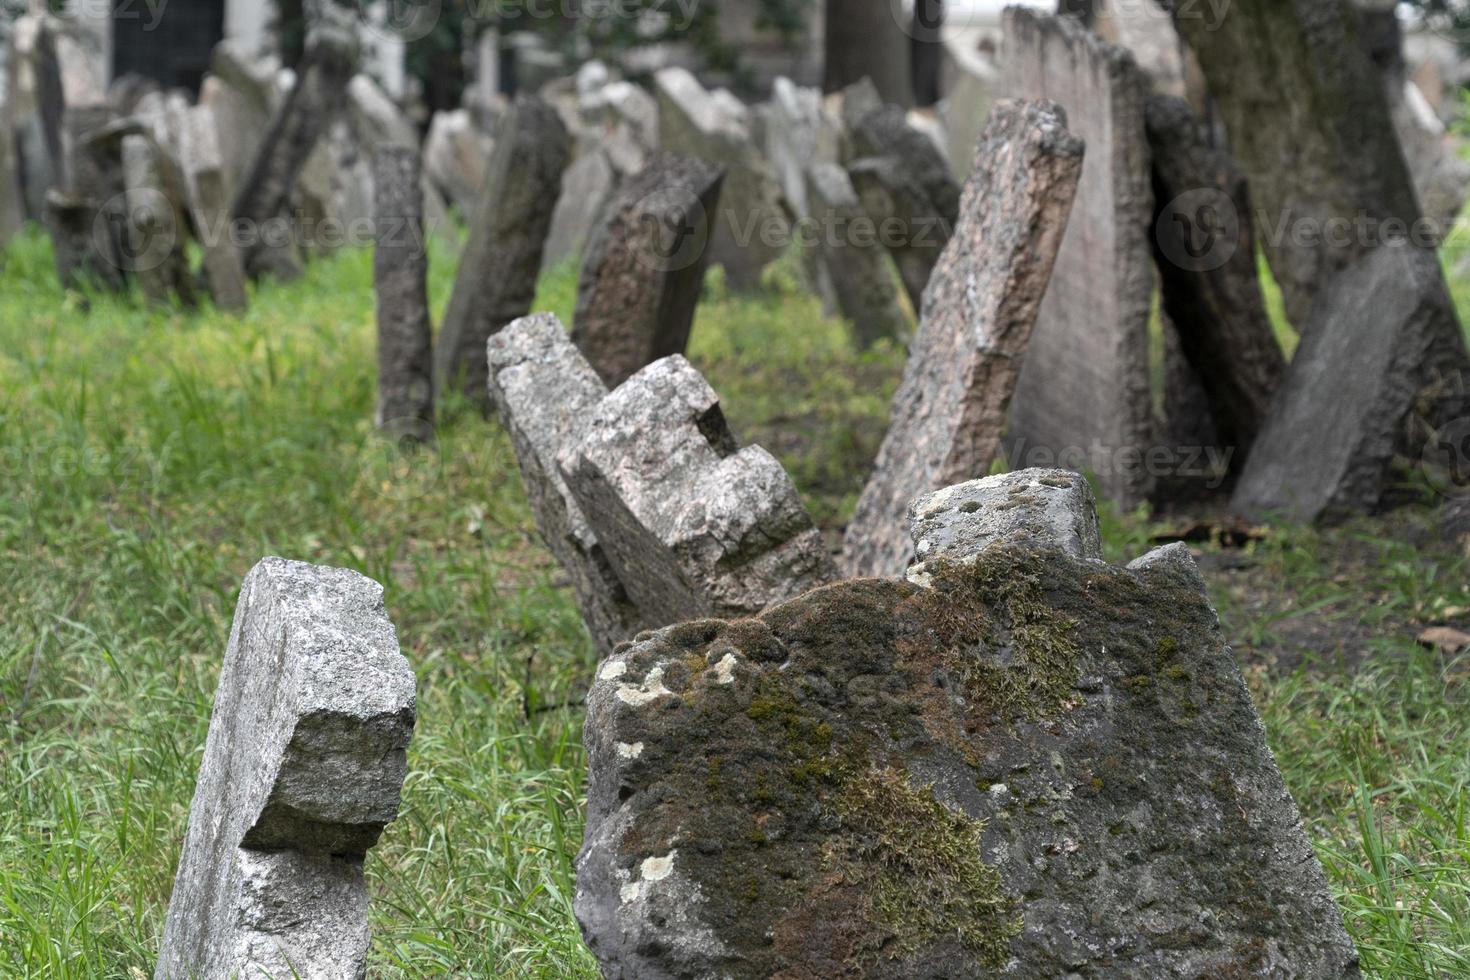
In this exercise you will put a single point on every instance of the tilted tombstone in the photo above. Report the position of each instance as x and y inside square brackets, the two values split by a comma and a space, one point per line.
[1204, 246]
[302, 770]
[751, 227]
[979, 310]
[1382, 346]
[400, 280]
[496, 281]
[1034, 765]
[455, 155]
[1084, 400]
[692, 525]
[644, 270]
[543, 390]
[156, 229]
[856, 262]
[204, 173]
[314, 103]
[586, 188]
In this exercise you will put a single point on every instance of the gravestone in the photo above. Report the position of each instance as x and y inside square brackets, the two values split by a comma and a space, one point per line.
[400, 280]
[751, 227]
[623, 119]
[244, 94]
[643, 272]
[1147, 32]
[314, 103]
[543, 390]
[376, 122]
[496, 281]
[301, 772]
[586, 188]
[856, 262]
[914, 232]
[949, 412]
[86, 214]
[692, 525]
[455, 155]
[12, 203]
[1038, 765]
[1084, 397]
[1383, 344]
[156, 228]
[1204, 246]
[885, 131]
[799, 130]
[204, 173]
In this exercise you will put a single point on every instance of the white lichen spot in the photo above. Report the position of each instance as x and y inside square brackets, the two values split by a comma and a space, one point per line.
[612, 670]
[657, 869]
[725, 669]
[999, 789]
[628, 750]
[629, 892]
[640, 694]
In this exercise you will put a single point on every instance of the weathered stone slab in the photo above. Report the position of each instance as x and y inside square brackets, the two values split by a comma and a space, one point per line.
[204, 174]
[751, 228]
[692, 525]
[156, 226]
[856, 262]
[884, 131]
[302, 770]
[799, 130]
[1147, 32]
[978, 312]
[455, 157]
[243, 93]
[314, 103]
[543, 391]
[496, 281]
[881, 780]
[376, 123]
[1204, 245]
[1383, 344]
[586, 188]
[914, 232]
[643, 272]
[1084, 391]
[400, 280]
[86, 215]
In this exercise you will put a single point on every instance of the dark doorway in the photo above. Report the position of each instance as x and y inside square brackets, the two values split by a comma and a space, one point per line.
[173, 47]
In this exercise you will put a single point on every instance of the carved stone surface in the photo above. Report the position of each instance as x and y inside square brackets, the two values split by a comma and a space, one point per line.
[400, 280]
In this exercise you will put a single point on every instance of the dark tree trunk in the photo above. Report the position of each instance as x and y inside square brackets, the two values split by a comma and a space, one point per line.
[926, 50]
[864, 39]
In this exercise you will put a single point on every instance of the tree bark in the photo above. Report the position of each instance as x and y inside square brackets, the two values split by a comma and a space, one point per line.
[865, 39]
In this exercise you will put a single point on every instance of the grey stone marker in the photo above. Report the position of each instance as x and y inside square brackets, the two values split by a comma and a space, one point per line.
[302, 770]
[156, 227]
[318, 98]
[586, 188]
[496, 281]
[644, 270]
[400, 279]
[87, 213]
[799, 130]
[1040, 766]
[204, 173]
[1084, 391]
[981, 303]
[692, 525]
[543, 391]
[856, 263]
[455, 155]
[243, 93]
[751, 227]
[1382, 345]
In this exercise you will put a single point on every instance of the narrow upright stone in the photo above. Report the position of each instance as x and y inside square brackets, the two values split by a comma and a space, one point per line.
[155, 228]
[544, 392]
[400, 279]
[855, 261]
[981, 303]
[204, 173]
[86, 213]
[693, 525]
[318, 98]
[1084, 391]
[643, 272]
[302, 770]
[496, 281]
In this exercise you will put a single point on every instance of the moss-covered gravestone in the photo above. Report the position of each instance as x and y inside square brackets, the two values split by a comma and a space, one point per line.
[1039, 765]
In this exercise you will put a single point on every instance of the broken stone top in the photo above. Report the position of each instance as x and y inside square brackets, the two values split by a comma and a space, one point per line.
[1040, 766]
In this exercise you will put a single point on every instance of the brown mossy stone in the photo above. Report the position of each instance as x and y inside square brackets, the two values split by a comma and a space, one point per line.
[1038, 759]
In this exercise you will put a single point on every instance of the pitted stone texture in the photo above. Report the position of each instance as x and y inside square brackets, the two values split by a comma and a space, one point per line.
[400, 284]
[1030, 508]
[644, 270]
[1383, 345]
[496, 281]
[302, 770]
[855, 262]
[881, 780]
[693, 525]
[544, 390]
[949, 412]
[1086, 379]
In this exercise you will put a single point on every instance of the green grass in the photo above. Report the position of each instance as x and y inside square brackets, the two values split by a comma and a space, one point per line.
[151, 459]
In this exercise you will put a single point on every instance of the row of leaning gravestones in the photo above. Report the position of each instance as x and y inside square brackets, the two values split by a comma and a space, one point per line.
[939, 755]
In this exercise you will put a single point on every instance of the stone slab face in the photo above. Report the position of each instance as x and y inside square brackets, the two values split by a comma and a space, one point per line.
[693, 525]
[543, 391]
[455, 156]
[1382, 342]
[913, 230]
[586, 188]
[86, 213]
[302, 770]
[856, 262]
[400, 281]
[156, 226]
[314, 103]
[751, 227]
[205, 175]
[877, 779]
[799, 130]
[948, 415]
[496, 281]
[884, 131]
[644, 270]
[1204, 246]
[1084, 392]
[376, 122]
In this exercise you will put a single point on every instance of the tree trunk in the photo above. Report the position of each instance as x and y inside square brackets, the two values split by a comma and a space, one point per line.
[864, 39]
